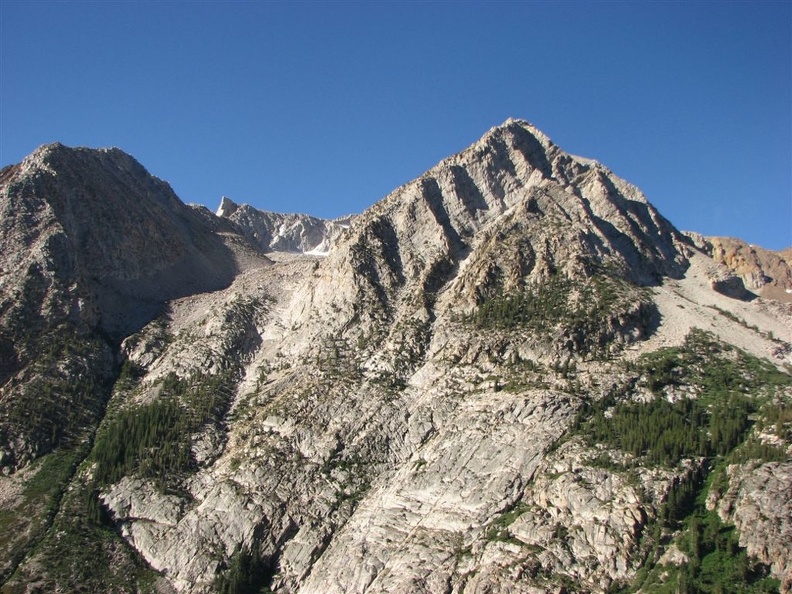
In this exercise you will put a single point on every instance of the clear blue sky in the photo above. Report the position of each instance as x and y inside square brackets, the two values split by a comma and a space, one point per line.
[325, 107]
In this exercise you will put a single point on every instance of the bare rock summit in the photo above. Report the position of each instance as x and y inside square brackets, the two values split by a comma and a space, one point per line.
[279, 232]
[511, 374]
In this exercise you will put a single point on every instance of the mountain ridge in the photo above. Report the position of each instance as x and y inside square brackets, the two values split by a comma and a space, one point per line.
[420, 409]
[282, 232]
[764, 272]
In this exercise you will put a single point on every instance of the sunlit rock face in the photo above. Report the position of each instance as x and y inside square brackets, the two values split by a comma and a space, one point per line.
[763, 272]
[427, 397]
[278, 232]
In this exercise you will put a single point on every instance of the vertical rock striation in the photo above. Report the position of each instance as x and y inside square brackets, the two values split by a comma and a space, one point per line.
[413, 412]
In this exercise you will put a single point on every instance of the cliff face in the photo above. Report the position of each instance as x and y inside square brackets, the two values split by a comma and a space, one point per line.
[762, 271]
[510, 375]
[278, 232]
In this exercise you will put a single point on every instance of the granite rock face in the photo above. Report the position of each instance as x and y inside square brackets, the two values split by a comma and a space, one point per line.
[97, 220]
[407, 412]
[758, 503]
[764, 272]
[278, 232]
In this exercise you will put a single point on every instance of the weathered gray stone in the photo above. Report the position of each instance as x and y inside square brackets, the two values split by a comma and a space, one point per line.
[371, 437]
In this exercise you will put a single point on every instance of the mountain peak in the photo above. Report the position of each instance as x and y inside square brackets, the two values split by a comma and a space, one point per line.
[284, 232]
[227, 207]
[105, 224]
[56, 158]
[457, 398]
[517, 125]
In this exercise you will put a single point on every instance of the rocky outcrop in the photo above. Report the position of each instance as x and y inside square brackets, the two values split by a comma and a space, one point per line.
[278, 232]
[757, 502]
[725, 282]
[762, 271]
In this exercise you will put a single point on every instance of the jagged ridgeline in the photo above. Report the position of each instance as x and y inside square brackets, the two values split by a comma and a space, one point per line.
[512, 374]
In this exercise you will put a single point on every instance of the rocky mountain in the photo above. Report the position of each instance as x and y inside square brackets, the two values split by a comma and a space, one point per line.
[512, 374]
[278, 232]
[762, 271]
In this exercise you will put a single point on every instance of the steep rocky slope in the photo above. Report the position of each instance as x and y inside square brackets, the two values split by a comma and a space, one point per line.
[510, 375]
[93, 248]
[97, 219]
